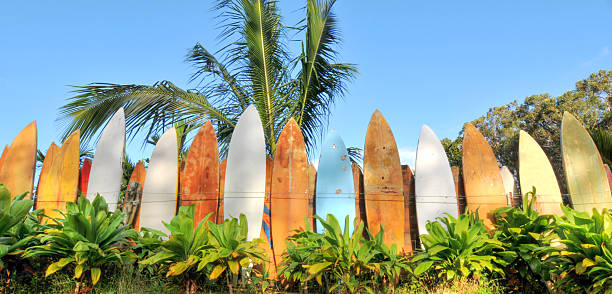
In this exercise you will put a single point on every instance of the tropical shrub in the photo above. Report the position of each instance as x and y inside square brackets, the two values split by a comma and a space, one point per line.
[13, 234]
[586, 261]
[341, 262]
[180, 254]
[458, 248]
[88, 239]
[529, 234]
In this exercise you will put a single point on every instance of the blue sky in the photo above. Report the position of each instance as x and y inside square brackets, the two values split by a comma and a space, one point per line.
[440, 63]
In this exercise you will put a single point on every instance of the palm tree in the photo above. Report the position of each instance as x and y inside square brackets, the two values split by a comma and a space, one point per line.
[254, 67]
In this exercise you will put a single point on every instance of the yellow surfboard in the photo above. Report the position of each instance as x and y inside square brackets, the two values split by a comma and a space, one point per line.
[61, 181]
[535, 171]
[19, 162]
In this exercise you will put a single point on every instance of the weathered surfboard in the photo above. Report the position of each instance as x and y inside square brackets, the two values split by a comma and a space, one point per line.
[411, 231]
[107, 166]
[335, 188]
[458, 178]
[586, 177]
[383, 183]
[62, 180]
[220, 213]
[536, 171]
[266, 223]
[3, 156]
[135, 186]
[289, 191]
[434, 184]
[609, 172]
[360, 213]
[200, 177]
[43, 177]
[245, 176]
[19, 163]
[484, 189]
[312, 184]
[509, 185]
[161, 184]
[84, 176]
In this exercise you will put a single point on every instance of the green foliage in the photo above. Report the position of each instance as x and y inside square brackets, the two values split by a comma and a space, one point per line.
[254, 68]
[603, 140]
[88, 239]
[529, 234]
[586, 261]
[453, 150]
[13, 234]
[461, 248]
[342, 262]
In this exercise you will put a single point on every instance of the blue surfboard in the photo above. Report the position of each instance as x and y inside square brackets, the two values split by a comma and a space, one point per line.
[335, 193]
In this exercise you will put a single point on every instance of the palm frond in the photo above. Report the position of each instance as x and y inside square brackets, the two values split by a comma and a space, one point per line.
[322, 81]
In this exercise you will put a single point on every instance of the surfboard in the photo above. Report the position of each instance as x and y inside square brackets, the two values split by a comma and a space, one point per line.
[360, 213]
[383, 183]
[107, 166]
[536, 171]
[609, 172]
[484, 189]
[335, 188]
[136, 182]
[161, 184]
[220, 213]
[266, 223]
[434, 183]
[62, 180]
[3, 156]
[411, 232]
[586, 177]
[458, 178]
[245, 176]
[200, 177]
[509, 185]
[84, 176]
[43, 177]
[289, 191]
[312, 184]
[19, 163]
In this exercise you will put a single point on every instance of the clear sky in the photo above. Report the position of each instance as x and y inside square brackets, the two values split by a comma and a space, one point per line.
[440, 63]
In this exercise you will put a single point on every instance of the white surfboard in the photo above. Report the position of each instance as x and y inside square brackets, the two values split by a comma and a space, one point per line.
[434, 183]
[107, 167]
[245, 176]
[509, 186]
[161, 184]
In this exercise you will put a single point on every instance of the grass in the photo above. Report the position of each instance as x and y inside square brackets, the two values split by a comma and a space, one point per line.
[465, 286]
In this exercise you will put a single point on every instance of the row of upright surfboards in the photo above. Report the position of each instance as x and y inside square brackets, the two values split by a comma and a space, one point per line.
[278, 195]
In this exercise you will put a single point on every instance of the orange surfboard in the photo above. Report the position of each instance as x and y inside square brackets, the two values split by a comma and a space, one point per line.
[19, 162]
[84, 176]
[360, 213]
[459, 188]
[62, 179]
[289, 191]
[411, 229]
[222, 167]
[266, 223]
[383, 182]
[200, 176]
[43, 177]
[138, 176]
[3, 156]
[484, 189]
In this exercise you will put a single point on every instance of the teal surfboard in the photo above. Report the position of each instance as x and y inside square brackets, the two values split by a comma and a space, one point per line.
[335, 192]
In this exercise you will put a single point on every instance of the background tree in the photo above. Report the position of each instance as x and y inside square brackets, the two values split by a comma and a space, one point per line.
[254, 67]
[540, 115]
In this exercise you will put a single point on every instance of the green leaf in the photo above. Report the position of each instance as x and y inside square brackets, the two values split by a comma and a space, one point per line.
[423, 267]
[95, 275]
[318, 267]
[217, 271]
[58, 265]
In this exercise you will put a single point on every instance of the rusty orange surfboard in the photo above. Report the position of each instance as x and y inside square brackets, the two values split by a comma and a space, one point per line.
[138, 176]
[62, 181]
[411, 231]
[19, 162]
[484, 189]
[383, 182]
[266, 224]
[200, 176]
[3, 156]
[312, 184]
[458, 178]
[289, 191]
[360, 213]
